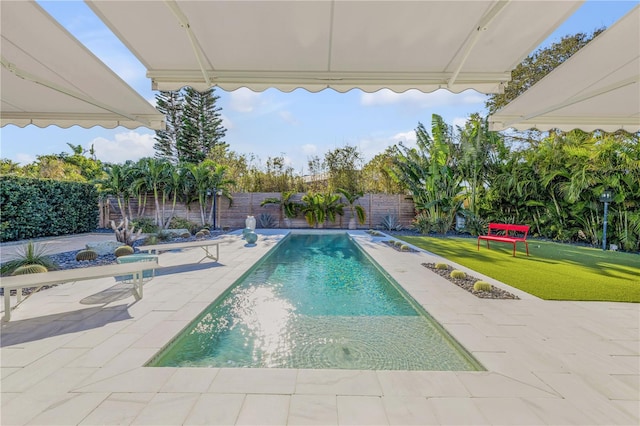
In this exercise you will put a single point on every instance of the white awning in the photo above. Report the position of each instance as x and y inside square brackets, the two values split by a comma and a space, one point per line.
[597, 88]
[370, 45]
[49, 78]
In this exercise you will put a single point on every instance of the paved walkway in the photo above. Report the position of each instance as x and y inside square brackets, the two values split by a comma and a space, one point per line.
[74, 354]
[53, 245]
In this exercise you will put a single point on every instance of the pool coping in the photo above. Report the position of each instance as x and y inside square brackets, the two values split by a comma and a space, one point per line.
[548, 362]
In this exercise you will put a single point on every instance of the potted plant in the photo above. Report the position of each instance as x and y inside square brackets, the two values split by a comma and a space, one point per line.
[357, 211]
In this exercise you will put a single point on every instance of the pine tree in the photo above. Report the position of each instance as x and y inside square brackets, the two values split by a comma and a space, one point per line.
[201, 128]
[170, 104]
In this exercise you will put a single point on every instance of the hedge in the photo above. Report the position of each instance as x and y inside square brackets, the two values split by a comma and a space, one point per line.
[31, 208]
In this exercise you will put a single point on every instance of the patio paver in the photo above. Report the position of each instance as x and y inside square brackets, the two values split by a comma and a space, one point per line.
[548, 362]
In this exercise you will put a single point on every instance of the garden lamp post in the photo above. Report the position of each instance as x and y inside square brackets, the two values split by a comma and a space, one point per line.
[606, 198]
[216, 193]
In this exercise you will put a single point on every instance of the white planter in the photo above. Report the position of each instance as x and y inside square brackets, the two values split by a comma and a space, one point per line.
[352, 223]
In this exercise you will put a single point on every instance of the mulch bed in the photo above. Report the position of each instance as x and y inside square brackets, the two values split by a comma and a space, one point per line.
[468, 282]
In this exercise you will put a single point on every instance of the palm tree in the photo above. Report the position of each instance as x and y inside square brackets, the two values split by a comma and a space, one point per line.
[357, 211]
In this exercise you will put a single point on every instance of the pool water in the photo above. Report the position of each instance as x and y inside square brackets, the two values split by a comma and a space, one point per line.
[316, 301]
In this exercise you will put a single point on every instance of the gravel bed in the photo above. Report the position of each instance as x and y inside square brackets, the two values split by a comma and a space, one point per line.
[468, 282]
[67, 260]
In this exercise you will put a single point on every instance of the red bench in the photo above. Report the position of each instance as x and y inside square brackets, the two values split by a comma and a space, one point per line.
[506, 233]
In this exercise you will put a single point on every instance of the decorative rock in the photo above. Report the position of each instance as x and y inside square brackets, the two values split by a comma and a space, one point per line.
[105, 247]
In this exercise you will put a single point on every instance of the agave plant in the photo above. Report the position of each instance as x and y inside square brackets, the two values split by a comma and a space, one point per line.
[29, 254]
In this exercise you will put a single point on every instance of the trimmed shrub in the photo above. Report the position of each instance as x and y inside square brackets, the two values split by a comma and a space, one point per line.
[185, 235]
[146, 224]
[482, 286]
[442, 266]
[43, 207]
[404, 247]
[457, 274]
[29, 269]
[123, 251]
[205, 231]
[83, 255]
[200, 235]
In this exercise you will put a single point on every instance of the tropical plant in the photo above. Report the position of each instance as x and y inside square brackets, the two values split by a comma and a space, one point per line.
[288, 209]
[429, 174]
[357, 211]
[319, 208]
[28, 254]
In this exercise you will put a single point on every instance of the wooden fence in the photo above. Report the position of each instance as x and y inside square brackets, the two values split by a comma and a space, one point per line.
[376, 206]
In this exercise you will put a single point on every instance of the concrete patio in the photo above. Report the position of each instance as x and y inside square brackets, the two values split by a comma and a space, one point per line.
[74, 354]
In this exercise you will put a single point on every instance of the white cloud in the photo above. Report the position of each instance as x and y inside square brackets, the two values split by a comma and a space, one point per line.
[226, 121]
[372, 146]
[459, 121]
[415, 98]
[125, 146]
[309, 149]
[244, 100]
[24, 159]
[288, 117]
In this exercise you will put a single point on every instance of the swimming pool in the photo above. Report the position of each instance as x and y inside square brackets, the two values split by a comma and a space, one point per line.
[316, 301]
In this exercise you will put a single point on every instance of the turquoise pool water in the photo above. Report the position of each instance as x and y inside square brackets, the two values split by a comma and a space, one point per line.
[316, 301]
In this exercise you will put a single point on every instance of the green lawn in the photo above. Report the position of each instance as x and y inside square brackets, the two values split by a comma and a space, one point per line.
[553, 271]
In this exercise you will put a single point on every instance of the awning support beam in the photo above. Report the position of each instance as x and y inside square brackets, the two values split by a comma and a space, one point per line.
[197, 50]
[58, 88]
[473, 38]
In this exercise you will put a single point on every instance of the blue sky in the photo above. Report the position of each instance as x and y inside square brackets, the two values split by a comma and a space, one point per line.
[295, 125]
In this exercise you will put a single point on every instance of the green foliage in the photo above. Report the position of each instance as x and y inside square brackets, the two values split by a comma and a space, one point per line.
[536, 66]
[320, 207]
[205, 231]
[199, 235]
[404, 247]
[188, 234]
[422, 223]
[391, 223]
[482, 286]
[473, 224]
[343, 167]
[84, 255]
[29, 269]
[123, 251]
[442, 266]
[182, 223]
[429, 174]
[457, 274]
[356, 210]
[151, 240]
[147, 225]
[28, 254]
[36, 208]
[201, 126]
